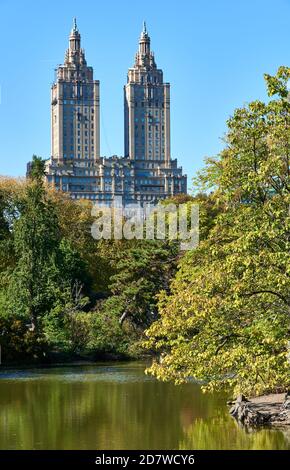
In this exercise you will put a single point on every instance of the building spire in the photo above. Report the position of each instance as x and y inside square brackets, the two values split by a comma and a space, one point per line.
[75, 54]
[75, 26]
[144, 42]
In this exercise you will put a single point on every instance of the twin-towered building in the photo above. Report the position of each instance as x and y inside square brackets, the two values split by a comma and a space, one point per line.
[146, 173]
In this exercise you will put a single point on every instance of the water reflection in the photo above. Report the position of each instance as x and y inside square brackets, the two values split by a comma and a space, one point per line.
[116, 407]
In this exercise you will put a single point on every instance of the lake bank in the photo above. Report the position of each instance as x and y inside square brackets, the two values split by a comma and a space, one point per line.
[59, 359]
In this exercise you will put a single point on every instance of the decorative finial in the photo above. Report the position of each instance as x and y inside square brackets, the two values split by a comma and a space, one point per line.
[144, 27]
[75, 27]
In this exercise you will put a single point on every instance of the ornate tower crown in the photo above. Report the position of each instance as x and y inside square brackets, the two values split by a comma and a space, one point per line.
[75, 56]
[144, 56]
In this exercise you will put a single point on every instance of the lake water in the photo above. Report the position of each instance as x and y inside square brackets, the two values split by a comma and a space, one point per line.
[116, 406]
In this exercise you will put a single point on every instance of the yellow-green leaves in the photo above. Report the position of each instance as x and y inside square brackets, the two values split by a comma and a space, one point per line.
[226, 320]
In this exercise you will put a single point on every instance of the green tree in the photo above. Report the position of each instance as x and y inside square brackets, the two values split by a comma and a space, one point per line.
[141, 269]
[49, 275]
[37, 169]
[36, 238]
[226, 320]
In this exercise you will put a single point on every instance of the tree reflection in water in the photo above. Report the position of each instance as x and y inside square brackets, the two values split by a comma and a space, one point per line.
[115, 406]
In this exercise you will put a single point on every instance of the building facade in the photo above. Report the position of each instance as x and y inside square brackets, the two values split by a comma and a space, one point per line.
[147, 108]
[75, 110]
[146, 173]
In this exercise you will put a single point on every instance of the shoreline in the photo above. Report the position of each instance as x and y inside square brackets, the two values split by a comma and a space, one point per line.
[73, 361]
[63, 360]
[272, 410]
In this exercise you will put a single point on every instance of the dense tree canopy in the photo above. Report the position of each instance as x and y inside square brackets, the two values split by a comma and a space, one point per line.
[61, 291]
[226, 320]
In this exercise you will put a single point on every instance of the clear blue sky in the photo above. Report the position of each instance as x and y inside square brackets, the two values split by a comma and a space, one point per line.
[213, 52]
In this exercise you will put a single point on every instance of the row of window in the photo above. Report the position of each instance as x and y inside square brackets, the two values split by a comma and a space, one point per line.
[104, 197]
[79, 109]
[65, 136]
[150, 120]
[71, 126]
[150, 104]
[70, 117]
[141, 148]
[150, 127]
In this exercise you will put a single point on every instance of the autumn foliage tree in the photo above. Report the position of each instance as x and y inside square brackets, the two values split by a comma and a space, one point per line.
[226, 320]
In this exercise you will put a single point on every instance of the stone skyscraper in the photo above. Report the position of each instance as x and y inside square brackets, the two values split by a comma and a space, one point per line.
[146, 173]
[75, 107]
[147, 108]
